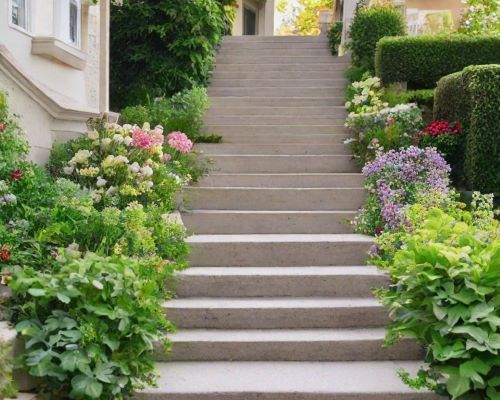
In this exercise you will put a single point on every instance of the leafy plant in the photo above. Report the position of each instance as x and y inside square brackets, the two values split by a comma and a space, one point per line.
[92, 325]
[445, 293]
[7, 388]
[369, 25]
[335, 36]
[480, 17]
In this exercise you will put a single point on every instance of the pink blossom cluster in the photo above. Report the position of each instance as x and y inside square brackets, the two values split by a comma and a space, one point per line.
[145, 140]
[180, 142]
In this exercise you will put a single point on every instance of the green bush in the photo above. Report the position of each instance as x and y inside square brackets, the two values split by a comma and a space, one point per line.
[182, 112]
[369, 25]
[446, 294]
[473, 98]
[7, 388]
[335, 36]
[423, 60]
[394, 95]
[159, 48]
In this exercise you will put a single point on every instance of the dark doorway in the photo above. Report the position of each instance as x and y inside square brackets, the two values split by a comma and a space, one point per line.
[249, 21]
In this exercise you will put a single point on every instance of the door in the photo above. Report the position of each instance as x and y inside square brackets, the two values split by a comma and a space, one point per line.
[249, 21]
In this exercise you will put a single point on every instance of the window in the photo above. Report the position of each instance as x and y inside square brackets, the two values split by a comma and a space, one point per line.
[19, 11]
[74, 22]
[68, 21]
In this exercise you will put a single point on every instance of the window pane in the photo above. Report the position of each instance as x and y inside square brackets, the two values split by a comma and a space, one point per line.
[73, 22]
[19, 13]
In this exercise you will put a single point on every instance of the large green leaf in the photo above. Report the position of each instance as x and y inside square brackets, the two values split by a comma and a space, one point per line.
[457, 385]
[86, 386]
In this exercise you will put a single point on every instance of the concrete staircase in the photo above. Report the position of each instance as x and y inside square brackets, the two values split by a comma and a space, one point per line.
[277, 304]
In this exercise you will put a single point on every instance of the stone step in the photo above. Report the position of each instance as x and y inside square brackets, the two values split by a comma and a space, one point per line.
[266, 137]
[250, 163]
[273, 199]
[283, 68]
[284, 381]
[283, 180]
[220, 73]
[270, 59]
[235, 101]
[278, 250]
[276, 313]
[320, 44]
[249, 222]
[287, 345]
[273, 120]
[272, 149]
[319, 52]
[317, 92]
[257, 112]
[278, 83]
[244, 40]
[279, 281]
[255, 130]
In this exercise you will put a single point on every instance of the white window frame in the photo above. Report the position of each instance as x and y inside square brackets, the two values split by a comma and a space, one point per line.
[62, 22]
[25, 29]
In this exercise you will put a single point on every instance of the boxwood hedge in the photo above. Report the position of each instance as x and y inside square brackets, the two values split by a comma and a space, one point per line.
[472, 97]
[423, 60]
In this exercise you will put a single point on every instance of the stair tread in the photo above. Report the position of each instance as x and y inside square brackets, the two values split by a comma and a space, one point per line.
[280, 238]
[273, 302]
[251, 377]
[264, 212]
[283, 271]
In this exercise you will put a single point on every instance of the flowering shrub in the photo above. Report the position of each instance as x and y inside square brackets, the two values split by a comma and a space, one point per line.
[393, 181]
[480, 17]
[122, 164]
[364, 96]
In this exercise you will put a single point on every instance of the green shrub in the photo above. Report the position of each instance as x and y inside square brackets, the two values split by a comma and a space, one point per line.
[169, 47]
[446, 294]
[335, 36]
[394, 95]
[182, 112]
[369, 25]
[480, 17]
[7, 388]
[423, 60]
[473, 98]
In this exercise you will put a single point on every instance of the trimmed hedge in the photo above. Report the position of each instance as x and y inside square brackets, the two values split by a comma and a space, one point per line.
[473, 98]
[368, 26]
[423, 60]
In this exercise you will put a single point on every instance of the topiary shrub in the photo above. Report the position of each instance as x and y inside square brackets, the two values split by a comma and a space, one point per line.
[369, 25]
[423, 60]
[473, 98]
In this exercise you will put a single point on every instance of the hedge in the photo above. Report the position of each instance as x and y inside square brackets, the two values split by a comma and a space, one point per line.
[473, 98]
[368, 26]
[423, 60]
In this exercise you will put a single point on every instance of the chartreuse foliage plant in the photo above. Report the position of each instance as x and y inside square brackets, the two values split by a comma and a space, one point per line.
[445, 269]
[7, 388]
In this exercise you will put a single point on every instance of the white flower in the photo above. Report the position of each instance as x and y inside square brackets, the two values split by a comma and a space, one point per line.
[121, 160]
[118, 138]
[147, 171]
[10, 198]
[146, 127]
[149, 184]
[101, 182]
[111, 191]
[127, 141]
[80, 157]
[105, 143]
[127, 127]
[135, 167]
[93, 135]
[348, 104]
[158, 130]
[68, 170]
[95, 196]
[349, 140]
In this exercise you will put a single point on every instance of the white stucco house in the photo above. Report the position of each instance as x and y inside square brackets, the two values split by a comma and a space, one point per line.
[254, 17]
[54, 65]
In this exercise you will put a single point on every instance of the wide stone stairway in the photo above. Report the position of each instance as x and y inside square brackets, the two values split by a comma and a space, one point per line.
[277, 303]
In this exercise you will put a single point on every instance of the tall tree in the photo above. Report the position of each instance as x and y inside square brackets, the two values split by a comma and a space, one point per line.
[302, 17]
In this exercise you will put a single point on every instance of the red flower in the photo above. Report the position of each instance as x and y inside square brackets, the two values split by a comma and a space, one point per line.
[4, 253]
[440, 127]
[16, 175]
[2, 126]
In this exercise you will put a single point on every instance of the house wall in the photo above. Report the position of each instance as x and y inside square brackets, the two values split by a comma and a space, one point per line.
[455, 6]
[265, 16]
[54, 96]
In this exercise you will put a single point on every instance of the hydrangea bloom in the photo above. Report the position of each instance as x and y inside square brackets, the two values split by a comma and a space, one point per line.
[180, 142]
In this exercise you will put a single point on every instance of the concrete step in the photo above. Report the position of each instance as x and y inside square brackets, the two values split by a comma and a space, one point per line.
[278, 83]
[283, 68]
[320, 44]
[287, 345]
[250, 163]
[279, 281]
[235, 101]
[255, 130]
[265, 91]
[337, 111]
[272, 149]
[273, 120]
[283, 180]
[273, 199]
[220, 73]
[266, 137]
[321, 52]
[248, 222]
[276, 313]
[374, 380]
[278, 250]
[244, 40]
[270, 59]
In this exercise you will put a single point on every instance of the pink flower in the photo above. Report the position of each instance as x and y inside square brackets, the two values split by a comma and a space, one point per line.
[166, 158]
[180, 142]
[141, 139]
[2, 126]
